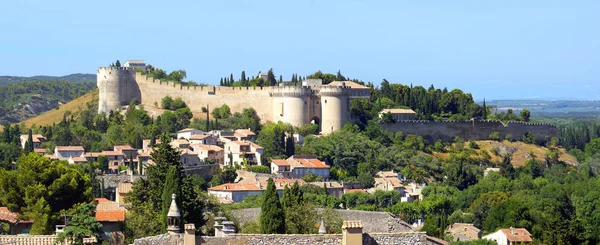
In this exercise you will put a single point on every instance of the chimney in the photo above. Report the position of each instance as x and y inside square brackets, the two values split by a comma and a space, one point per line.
[352, 232]
[189, 237]
[512, 230]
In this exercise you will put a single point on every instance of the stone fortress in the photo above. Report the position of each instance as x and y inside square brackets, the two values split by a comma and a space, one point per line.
[327, 105]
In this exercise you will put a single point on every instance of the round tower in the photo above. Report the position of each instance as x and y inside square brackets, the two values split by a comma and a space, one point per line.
[116, 87]
[290, 104]
[335, 107]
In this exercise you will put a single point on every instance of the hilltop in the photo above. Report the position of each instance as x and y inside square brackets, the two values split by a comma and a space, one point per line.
[76, 77]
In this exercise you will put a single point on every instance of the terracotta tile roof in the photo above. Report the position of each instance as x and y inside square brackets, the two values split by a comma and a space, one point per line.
[104, 206]
[280, 162]
[9, 216]
[199, 136]
[124, 187]
[305, 162]
[70, 148]
[78, 159]
[180, 142]
[352, 224]
[206, 147]
[101, 200]
[329, 184]
[353, 190]
[245, 132]
[110, 215]
[112, 153]
[123, 148]
[37, 138]
[144, 154]
[398, 111]
[520, 235]
[464, 230]
[187, 130]
[93, 154]
[391, 181]
[235, 187]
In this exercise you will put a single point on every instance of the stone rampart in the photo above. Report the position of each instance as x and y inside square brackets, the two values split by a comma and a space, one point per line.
[472, 130]
[309, 239]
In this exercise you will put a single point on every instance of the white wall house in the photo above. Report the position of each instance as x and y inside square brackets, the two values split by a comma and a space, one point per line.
[38, 139]
[299, 166]
[510, 236]
[240, 150]
[188, 132]
[66, 152]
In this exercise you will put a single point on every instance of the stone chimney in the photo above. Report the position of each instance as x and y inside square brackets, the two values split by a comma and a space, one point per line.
[352, 232]
[322, 228]
[173, 217]
[189, 237]
[512, 230]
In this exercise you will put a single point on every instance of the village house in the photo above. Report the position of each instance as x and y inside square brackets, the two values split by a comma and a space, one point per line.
[387, 184]
[463, 232]
[66, 152]
[237, 151]
[112, 218]
[77, 160]
[510, 236]
[412, 192]
[399, 114]
[298, 166]
[123, 188]
[212, 153]
[245, 134]
[237, 192]
[189, 158]
[180, 144]
[115, 159]
[127, 151]
[38, 139]
[202, 139]
[40, 151]
[17, 227]
[333, 188]
[187, 133]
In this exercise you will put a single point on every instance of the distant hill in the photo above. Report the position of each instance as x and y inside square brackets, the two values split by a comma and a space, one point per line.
[22, 98]
[76, 78]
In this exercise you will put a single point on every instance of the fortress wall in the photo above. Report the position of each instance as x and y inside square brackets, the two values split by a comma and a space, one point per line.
[290, 104]
[472, 130]
[153, 90]
[117, 87]
[335, 108]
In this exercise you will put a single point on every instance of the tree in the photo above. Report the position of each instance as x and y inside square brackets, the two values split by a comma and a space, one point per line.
[366, 180]
[290, 147]
[172, 183]
[506, 168]
[525, 115]
[166, 102]
[83, 224]
[272, 216]
[118, 63]
[271, 80]
[484, 111]
[243, 80]
[29, 143]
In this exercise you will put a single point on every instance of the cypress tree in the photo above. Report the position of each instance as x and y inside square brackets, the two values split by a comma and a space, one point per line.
[207, 121]
[272, 217]
[243, 80]
[290, 148]
[6, 133]
[231, 80]
[29, 143]
[172, 183]
[221, 82]
[280, 79]
[484, 111]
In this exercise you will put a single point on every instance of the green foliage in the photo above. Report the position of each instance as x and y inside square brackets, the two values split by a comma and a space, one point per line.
[272, 139]
[29, 143]
[366, 180]
[307, 129]
[82, 224]
[529, 138]
[310, 177]
[171, 187]
[494, 136]
[272, 216]
[41, 188]
[525, 115]
[259, 169]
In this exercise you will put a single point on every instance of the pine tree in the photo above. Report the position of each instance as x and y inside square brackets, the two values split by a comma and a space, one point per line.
[29, 143]
[172, 183]
[484, 111]
[272, 216]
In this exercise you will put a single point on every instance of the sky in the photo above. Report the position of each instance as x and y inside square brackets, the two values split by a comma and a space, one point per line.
[509, 49]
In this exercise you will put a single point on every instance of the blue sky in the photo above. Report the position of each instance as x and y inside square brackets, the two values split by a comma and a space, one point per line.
[494, 49]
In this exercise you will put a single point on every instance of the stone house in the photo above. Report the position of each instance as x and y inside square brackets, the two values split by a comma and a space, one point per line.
[127, 151]
[188, 132]
[203, 139]
[298, 166]
[17, 226]
[38, 139]
[180, 144]
[399, 114]
[388, 184]
[112, 218]
[463, 232]
[333, 188]
[237, 151]
[123, 189]
[245, 134]
[66, 152]
[77, 160]
[510, 236]
[115, 159]
[234, 192]
[210, 152]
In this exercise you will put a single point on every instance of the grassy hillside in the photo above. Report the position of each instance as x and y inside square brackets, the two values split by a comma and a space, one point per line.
[77, 77]
[519, 150]
[56, 115]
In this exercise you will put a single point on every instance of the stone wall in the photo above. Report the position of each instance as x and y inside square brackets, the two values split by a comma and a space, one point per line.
[327, 239]
[37, 240]
[113, 180]
[472, 130]
[163, 239]
[372, 221]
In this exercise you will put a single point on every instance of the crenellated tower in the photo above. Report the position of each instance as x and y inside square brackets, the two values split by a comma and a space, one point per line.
[291, 104]
[117, 87]
[335, 106]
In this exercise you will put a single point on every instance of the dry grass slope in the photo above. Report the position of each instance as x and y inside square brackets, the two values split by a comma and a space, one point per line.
[521, 151]
[56, 115]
